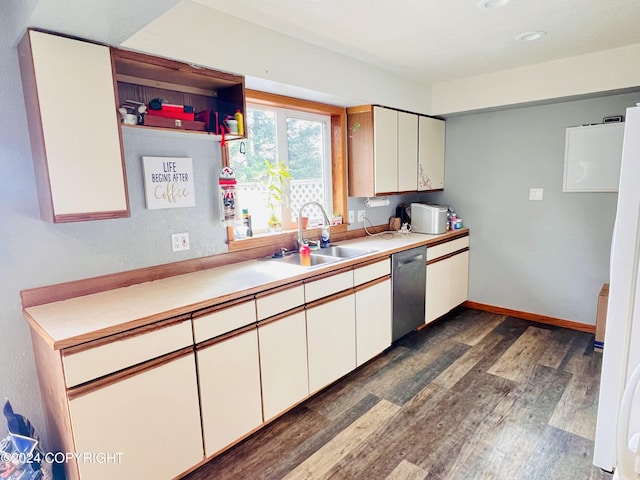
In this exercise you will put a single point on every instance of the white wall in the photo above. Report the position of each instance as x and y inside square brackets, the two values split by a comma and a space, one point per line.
[547, 257]
[604, 71]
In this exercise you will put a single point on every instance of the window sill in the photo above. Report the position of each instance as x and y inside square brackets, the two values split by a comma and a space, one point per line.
[286, 238]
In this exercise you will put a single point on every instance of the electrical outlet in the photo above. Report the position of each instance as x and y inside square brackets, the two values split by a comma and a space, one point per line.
[361, 215]
[535, 193]
[179, 241]
[352, 217]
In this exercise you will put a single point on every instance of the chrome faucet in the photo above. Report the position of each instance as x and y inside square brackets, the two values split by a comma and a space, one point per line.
[325, 221]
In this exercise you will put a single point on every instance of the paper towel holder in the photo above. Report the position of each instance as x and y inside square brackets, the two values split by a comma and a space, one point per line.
[377, 202]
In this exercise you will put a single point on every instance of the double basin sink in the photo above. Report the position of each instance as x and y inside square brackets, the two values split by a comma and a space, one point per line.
[323, 256]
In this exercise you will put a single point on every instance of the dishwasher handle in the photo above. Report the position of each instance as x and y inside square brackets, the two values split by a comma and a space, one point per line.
[416, 258]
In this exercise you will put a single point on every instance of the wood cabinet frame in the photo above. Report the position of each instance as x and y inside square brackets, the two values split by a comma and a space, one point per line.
[41, 159]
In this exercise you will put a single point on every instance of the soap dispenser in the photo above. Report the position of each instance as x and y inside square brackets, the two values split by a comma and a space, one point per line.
[325, 237]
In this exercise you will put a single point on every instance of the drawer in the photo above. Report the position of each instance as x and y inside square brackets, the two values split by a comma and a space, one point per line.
[126, 350]
[281, 300]
[223, 320]
[438, 251]
[315, 289]
[458, 244]
[371, 272]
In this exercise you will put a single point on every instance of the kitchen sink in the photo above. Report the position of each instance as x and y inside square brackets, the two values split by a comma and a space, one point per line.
[322, 256]
[294, 259]
[340, 252]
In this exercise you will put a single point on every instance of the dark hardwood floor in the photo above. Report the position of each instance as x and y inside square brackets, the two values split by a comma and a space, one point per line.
[474, 396]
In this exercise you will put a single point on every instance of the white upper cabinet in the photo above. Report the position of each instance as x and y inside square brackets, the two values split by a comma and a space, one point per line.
[73, 123]
[431, 154]
[390, 151]
[407, 152]
[385, 149]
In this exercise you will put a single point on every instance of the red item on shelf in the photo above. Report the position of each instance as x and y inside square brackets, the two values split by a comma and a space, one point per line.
[179, 115]
[207, 117]
[169, 107]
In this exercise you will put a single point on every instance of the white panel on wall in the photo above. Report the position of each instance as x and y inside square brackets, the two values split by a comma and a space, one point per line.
[592, 158]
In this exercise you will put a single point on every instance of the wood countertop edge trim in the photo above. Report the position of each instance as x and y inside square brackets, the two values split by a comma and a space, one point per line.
[209, 303]
[41, 332]
[218, 307]
[281, 288]
[127, 334]
[330, 273]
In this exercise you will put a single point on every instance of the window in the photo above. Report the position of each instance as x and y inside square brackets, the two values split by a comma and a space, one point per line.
[302, 142]
[335, 175]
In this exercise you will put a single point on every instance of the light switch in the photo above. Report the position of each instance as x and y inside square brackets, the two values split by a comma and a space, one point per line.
[535, 193]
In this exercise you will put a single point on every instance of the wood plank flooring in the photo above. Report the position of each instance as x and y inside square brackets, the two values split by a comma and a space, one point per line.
[473, 396]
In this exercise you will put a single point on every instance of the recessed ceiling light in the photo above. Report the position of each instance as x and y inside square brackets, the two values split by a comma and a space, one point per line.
[531, 36]
[491, 4]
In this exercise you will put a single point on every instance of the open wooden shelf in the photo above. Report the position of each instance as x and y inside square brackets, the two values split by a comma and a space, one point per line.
[142, 78]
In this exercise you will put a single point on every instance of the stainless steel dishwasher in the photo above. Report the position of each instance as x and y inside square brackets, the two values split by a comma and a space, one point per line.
[408, 282]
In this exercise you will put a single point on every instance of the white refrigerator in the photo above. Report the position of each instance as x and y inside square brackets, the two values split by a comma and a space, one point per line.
[622, 336]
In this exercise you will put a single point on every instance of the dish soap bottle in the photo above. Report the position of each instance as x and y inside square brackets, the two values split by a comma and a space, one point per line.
[325, 238]
[305, 255]
[240, 120]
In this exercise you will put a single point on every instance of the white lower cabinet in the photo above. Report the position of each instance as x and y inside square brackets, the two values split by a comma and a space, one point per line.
[459, 280]
[229, 375]
[373, 319]
[148, 422]
[438, 290]
[331, 339]
[447, 279]
[154, 401]
[283, 362]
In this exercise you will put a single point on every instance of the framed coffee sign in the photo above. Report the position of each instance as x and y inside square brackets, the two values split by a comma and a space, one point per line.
[168, 182]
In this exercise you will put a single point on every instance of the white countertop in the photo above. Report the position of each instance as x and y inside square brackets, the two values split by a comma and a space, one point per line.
[71, 322]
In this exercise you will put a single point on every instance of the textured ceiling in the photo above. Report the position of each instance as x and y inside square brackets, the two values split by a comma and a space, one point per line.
[433, 41]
